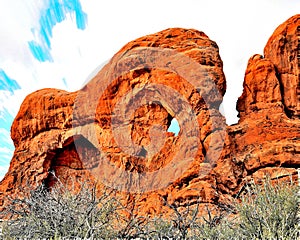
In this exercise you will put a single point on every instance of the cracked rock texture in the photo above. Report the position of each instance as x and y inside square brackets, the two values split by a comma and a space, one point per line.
[114, 130]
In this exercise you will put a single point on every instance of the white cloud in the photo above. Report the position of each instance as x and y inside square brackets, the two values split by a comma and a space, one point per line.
[5, 158]
[5, 150]
[3, 170]
[5, 138]
[17, 18]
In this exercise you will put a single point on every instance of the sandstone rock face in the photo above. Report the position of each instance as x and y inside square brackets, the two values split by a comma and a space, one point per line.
[115, 129]
[283, 50]
[261, 96]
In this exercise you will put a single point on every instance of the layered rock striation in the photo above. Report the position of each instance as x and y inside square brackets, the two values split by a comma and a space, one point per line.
[115, 129]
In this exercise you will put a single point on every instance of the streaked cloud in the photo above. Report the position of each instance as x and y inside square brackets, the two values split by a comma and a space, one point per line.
[6, 149]
[7, 83]
[32, 56]
[7, 88]
[53, 14]
[6, 120]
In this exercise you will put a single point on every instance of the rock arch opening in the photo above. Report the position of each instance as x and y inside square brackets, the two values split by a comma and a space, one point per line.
[174, 127]
[71, 162]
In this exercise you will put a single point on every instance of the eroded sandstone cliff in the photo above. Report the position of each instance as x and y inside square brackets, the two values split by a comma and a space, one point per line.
[115, 128]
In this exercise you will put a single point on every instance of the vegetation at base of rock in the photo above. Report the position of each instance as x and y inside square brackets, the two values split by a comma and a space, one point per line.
[264, 211]
[272, 213]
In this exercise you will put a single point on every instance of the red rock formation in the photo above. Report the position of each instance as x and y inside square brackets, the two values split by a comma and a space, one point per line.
[283, 50]
[266, 140]
[115, 128]
[261, 96]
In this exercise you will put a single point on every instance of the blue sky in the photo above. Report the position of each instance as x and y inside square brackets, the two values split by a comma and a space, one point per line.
[58, 43]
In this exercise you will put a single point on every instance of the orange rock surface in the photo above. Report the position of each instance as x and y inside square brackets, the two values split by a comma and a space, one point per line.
[114, 129]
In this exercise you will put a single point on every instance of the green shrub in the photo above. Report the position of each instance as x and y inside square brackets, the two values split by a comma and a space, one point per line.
[269, 211]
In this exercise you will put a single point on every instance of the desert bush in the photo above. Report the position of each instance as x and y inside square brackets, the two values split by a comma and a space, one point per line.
[265, 211]
[60, 213]
[215, 226]
[269, 211]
